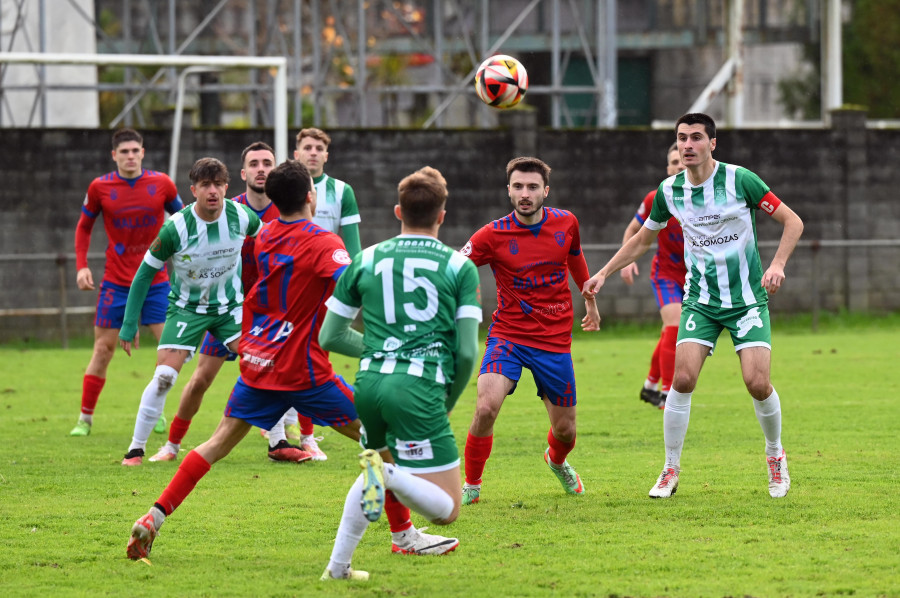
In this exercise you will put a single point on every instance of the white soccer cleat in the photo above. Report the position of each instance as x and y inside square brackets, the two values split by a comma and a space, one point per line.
[666, 484]
[779, 478]
[310, 445]
[413, 541]
[168, 452]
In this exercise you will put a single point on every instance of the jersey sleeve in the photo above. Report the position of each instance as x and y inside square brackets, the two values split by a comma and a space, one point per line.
[752, 187]
[333, 258]
[659, 213]
[479, 248]
[173, 200]
[576, 262]
[468, 303]
[349, 207]
[644, 209]
[345, 300]
[163, 247]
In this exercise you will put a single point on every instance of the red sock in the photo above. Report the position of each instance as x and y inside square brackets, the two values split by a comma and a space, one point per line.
[306, 425]
[397, 513]
[558, 449]
[478, 449]
[189, 473]
[178, 429]
[90, 393]
[667, 356]
[655, 369]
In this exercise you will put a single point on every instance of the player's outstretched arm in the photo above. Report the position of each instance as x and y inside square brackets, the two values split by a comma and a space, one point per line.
[630, 251]
[790, 236]
[337, 335]
[466, 354]
[128, 333]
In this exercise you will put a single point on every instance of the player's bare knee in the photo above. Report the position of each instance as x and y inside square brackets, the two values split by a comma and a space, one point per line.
[684, 383]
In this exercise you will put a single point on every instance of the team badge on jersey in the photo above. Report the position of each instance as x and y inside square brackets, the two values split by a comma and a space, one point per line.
[151, 189]
[513, 247]
[560, 238]
[340, 256]
[467, 250]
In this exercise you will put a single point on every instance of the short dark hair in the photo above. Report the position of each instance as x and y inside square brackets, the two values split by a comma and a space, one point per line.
[315, 134]
[698, 118]
[255, 146]
[123, 135]
[209, 169]
[422, 196]
[528, 164]
[288, 185]
[672, 148]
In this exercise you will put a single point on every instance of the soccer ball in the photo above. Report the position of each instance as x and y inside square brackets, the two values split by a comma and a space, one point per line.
[501, 81]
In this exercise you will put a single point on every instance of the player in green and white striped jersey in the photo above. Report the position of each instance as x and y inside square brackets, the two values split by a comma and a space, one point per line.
[420, 307]
[725, 287]
[204, 242]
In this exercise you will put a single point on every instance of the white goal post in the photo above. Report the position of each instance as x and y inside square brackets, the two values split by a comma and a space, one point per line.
[279, 63]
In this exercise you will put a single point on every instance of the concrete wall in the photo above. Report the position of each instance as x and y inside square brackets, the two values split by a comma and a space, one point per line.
[841, 182]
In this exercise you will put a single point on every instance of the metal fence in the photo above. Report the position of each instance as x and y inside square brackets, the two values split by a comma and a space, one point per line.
[821, 278]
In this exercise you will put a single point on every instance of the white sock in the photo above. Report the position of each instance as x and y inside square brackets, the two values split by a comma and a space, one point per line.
[152, 402]
[768, 412]
[676, 416]
[276, 434]
[158, 516]
[173, 447]
[350, 532]
[290, 417]
[420, 495]
[651, 385]
[86, 418]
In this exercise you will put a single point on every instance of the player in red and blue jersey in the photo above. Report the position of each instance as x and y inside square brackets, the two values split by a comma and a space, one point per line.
[282, 364]
[531, 252]
[667, 272]
[133, 202]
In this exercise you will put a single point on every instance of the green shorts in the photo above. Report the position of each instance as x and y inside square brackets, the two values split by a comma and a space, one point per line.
[407, 415]
[185, 329]
[749, 327]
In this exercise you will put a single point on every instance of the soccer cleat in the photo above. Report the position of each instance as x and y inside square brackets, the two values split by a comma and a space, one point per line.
[666, 485]
[82, 428]
[352, 575]
[565, 473]
[654, 397]
[161, 425]
[417, 543]
[284, 451]
[293, 432]
[779, 478]
[471, 494]
[310, 445]
[143, 532]
[133, 457]
[372, 501]
[166, 453]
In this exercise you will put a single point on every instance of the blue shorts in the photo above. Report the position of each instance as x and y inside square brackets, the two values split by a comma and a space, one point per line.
[329, 404]
[553, 373]
[215, 348]
[111, 305]
[666, 291]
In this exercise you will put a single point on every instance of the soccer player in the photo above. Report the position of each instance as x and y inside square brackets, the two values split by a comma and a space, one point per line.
[667, 279]
[531, 252]
[726, 287]
[420, 308]
[282, 363]
[257, 160]
[134, 202]
[204, 242]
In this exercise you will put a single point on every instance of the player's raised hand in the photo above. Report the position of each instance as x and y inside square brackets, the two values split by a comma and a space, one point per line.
[629, 272]
[592, 285]
[84, 279]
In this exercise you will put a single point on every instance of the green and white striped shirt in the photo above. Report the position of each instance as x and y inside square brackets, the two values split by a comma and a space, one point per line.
[335, 204]
[411, 289]
[206, 277]
[718, 218]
